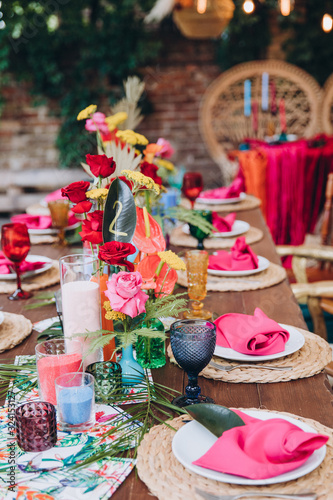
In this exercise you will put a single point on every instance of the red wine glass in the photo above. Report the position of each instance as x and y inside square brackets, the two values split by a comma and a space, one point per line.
[15, 244]
[192, 186]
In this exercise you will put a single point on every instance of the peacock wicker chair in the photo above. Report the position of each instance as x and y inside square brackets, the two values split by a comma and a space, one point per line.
[222, 122]
[327, 106]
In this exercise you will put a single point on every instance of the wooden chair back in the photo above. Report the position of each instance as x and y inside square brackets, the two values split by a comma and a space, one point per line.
[326, 229]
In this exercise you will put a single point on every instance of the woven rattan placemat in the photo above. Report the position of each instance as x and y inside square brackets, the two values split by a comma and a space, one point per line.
[179, 238]
[168, 479]
[248, 203]
[33, 283]
[13, 330]
[307, 361]
[41, 239]
[273, 275]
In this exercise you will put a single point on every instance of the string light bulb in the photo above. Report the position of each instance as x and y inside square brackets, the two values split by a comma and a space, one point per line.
[201, 6]
[248, 6]
[286, 6]
[327, 23]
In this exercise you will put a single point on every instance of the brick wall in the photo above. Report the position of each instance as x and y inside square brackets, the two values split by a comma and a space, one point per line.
[175, 87]
[27, 133]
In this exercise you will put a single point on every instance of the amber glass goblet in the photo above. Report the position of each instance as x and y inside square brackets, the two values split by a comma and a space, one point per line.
[59, 210]
[192, 186]
[196, 267]
[15, 244]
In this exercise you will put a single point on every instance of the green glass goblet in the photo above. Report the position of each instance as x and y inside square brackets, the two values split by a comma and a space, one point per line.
[197, 233]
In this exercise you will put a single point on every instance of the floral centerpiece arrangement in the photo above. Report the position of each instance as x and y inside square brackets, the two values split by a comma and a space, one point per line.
[117, 224]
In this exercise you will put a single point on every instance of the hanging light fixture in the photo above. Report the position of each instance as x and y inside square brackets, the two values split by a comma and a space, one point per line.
[201, 6]
[286, 6]
[327, 23]
[248, 6]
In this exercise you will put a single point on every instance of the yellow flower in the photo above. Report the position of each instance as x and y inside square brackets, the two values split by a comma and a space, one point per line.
[141, 180]
[111, 314]
[172, 260]
[85, 113]
[131, 137]
[114, 120]
[94, 194]
[165, 164]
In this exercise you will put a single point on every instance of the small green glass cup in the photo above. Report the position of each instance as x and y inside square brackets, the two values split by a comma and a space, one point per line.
[198, 233]
[108, 382]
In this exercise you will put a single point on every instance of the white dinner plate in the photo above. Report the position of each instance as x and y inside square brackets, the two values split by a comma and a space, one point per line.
[193, 440]
[52, 230]
[263, 264]
[238, 227]
[221, 201]
[294, 343]
[30, 258]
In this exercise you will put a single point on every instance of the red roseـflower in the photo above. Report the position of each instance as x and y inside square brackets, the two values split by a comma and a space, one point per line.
[150, 170]
[76, 191]
[114, 253]
[92, 227]
[101, 165]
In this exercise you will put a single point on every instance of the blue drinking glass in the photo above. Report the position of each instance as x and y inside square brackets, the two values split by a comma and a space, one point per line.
[193, 343]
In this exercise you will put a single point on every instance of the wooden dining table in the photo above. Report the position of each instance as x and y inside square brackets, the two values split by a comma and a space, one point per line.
[310, 397]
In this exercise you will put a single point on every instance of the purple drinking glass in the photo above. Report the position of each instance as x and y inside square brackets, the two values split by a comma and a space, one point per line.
[36, 426]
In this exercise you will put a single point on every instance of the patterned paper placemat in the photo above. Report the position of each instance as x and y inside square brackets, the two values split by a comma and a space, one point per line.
[273, 275]
[47, 475]
[310, 359]
[33, 283]
[13, 330]
[179, 238]
[167, 478]
[248, 203]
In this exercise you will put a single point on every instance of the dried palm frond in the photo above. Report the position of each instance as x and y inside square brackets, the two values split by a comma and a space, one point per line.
[134, 89]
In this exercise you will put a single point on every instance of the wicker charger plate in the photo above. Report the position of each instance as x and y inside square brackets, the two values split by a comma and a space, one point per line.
[168, 479]
[179, 238]
[249, 203]
[13, 330]
[273, 275]
[33, 283]
[306, 362]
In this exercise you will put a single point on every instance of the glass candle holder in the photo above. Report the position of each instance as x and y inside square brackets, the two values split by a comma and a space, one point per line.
[75, 401]
[81, 302]
[107, 375]
[53, 359]
[59, 210]
[36, 426]
[196, 268]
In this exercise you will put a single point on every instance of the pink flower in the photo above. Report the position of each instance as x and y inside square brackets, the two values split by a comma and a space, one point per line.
[97, 122]
[125, 294]
[167, 150]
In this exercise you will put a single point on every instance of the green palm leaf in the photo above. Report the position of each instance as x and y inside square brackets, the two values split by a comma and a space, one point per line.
[119, 213]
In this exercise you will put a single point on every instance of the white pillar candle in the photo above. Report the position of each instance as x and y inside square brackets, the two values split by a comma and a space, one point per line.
[81, 313]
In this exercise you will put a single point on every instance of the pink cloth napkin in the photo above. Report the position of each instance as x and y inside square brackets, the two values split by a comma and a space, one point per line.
[33, 221]
[232, 191]
[240, 258]
[40, 221]
[223, 224]
[261, 448]
[7, 267]
[256, 335]
[55, 195]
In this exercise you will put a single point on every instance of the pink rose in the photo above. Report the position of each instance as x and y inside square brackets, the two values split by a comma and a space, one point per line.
[125, 294]
[97, 121]
[167, 150]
